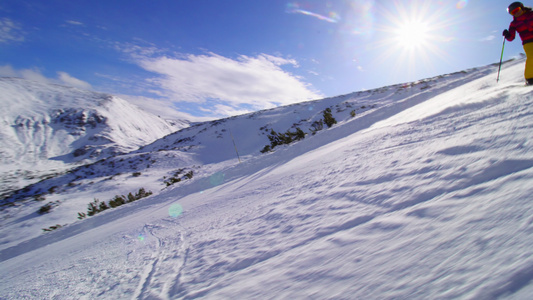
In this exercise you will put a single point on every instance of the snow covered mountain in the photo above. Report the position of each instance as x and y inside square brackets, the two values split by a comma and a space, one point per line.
[419, 191]
[45, 128]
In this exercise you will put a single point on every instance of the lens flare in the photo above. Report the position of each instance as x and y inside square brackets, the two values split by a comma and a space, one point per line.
[359, 18]
[294, 8]
[461, 4]
[175, 210]
[216, 179]
[140, 237]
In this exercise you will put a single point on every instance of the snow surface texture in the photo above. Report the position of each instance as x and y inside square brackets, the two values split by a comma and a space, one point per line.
[424, 194]
[45, 128]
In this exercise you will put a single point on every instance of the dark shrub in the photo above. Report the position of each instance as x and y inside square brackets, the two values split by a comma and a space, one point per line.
[46, 208]
[328, 118]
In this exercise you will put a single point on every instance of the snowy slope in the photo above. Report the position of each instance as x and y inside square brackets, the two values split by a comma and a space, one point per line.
[205, 149]
[424, 195]
[46, 127]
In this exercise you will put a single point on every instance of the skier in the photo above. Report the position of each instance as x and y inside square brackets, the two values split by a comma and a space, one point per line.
[523, 24]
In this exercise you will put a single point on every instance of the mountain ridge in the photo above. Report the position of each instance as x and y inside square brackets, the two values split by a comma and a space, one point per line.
[48, 126]
[206, 148]
[424, 193]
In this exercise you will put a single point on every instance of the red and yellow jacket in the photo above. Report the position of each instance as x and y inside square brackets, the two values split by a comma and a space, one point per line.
[524, 26]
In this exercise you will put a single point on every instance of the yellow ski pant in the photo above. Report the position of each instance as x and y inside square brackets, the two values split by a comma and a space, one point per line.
[528, 73]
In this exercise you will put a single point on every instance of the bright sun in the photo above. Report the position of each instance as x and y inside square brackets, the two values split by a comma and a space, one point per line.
[412, 35]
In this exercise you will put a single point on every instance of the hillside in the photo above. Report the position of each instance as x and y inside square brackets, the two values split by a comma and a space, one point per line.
[46, 129]
[420, 191]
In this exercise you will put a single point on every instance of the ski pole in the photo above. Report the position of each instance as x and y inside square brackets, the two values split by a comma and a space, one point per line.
[501, 58]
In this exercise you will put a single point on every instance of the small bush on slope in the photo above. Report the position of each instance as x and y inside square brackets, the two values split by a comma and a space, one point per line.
[47, 207]
[96, 206]
[178, 177]
[277, 139]
[328, 118]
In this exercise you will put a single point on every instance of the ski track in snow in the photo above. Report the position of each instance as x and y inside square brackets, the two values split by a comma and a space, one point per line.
[163, 270]
[430, 207]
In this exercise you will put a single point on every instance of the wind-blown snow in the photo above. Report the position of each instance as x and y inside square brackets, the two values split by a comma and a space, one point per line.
[425, 194]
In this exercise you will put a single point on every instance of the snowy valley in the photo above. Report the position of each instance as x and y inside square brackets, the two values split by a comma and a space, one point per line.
[418, 191]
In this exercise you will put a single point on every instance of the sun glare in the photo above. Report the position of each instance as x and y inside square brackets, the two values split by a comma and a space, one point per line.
[412, 34]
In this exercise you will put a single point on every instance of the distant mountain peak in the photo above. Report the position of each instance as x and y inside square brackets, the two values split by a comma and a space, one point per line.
[49, 126]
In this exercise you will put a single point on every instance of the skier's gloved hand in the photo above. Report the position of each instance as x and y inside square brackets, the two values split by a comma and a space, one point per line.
[506, 34]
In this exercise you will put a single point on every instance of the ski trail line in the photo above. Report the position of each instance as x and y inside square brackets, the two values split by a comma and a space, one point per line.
[161, 277]
[149, 270]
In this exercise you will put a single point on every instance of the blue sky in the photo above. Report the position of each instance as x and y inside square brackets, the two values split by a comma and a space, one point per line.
[201, 59]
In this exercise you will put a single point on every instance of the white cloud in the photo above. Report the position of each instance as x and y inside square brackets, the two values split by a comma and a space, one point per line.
[10, 31]
[138, 52]
[30, 74]
[36, 75]
[160, 107]
[259, 81]
[488, 38]
[75, 82]
[7, 71]
[221, 110]
[72, 22]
